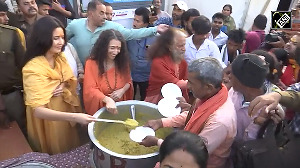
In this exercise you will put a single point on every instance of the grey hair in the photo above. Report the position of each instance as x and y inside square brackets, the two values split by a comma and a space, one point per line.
[208, 70]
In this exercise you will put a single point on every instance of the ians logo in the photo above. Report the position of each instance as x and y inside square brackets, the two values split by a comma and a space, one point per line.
[281, 20]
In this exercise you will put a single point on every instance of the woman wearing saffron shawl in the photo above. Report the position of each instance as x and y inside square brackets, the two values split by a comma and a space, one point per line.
[52, 105]
[107, 76]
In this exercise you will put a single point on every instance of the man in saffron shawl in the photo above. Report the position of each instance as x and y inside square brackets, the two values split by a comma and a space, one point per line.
[213, 116]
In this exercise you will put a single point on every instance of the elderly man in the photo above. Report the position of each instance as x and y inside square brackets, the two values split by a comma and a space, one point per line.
[86, 31]
[168, 64]
[12, 49]
[213, 117]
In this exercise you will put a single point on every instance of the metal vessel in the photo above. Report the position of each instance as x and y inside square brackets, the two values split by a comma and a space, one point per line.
[105, 158]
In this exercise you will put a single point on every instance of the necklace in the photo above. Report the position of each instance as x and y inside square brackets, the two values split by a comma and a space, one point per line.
[106, 78]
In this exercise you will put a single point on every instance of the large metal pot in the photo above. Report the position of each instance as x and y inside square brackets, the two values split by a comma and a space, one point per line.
[105, 158]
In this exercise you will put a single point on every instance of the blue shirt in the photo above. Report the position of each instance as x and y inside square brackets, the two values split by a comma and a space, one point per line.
[140, 65]
[84, 39]
[167, 21]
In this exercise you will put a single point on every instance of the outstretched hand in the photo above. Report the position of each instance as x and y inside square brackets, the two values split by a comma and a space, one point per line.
[162, 28]
[154, 124]
[269, 101]
[84, 118]
[149, 141]
[183, 104]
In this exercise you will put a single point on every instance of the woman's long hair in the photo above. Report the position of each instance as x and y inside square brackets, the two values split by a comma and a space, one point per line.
[41, 38]
[100, 51]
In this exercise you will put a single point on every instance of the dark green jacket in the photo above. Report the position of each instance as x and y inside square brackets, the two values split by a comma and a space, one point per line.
[12, 50]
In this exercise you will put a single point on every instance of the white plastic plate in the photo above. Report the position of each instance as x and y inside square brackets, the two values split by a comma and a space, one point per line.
[167, 107]
[171, 90]
[139, 133]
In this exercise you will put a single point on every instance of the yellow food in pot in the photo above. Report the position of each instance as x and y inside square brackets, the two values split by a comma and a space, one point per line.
[115, 137]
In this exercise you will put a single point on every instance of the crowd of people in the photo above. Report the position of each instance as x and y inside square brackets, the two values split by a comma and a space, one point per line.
[56, 74]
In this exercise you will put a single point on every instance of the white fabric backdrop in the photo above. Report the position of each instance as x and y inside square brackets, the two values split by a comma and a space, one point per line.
[244, 11]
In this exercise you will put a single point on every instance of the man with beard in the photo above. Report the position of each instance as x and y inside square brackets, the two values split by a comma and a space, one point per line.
[86, 31]
[216, 35]
[187, 18]
[12, 49]
[140, 65]
[168, 64]
[29, 15]
[178, 8]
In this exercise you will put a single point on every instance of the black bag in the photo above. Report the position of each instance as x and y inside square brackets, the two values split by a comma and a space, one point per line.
[273, 148]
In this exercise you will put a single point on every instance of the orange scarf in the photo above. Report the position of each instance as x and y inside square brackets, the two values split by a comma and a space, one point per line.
[295, 67]
[203, 110]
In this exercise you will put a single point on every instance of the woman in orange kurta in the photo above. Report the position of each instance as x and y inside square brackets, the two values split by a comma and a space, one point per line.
[168, 64]
[107, 76]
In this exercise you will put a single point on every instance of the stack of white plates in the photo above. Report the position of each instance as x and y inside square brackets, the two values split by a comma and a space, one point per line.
[167, 105]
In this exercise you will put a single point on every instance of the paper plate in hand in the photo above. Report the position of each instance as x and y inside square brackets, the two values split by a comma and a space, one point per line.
[171, 90]
[139, 133]
[167, 107]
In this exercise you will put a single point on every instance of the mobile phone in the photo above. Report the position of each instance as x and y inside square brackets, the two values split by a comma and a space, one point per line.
[153, 10]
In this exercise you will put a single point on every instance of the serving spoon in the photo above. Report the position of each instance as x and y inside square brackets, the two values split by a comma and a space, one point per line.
[129, 122]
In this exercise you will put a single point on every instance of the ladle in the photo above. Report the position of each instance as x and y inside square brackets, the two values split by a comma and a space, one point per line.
[132, 109]
[110, 121]
[129, 122]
